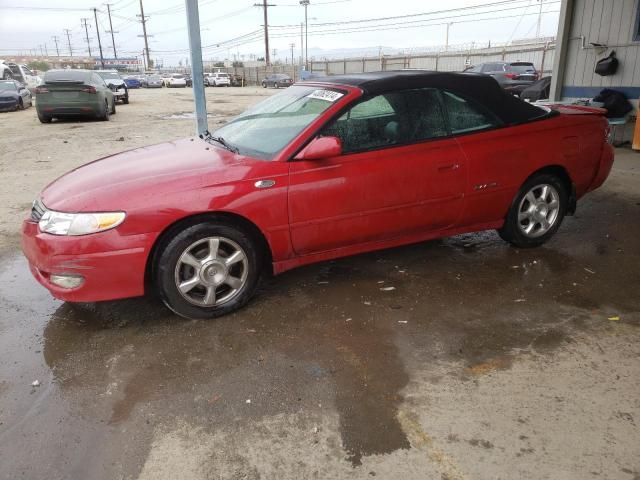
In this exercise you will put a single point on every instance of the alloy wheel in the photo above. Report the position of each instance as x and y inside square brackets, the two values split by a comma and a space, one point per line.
[538, 210]
[211, 271]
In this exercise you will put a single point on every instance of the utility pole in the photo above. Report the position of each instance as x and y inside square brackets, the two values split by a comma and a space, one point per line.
[446, 43]
[539, 21]
[305, 4]
[83, 22]
[95, 15]
[292, 45]
[68, 32]
[144, 32]
[55, 39]
[41, 51]
[301, 43]
[113, 42]
[46, 51]
[197, 71]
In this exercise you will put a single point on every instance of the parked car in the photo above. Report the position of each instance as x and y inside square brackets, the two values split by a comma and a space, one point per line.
[238, 80]
[539, 90]
[218, 79]
[132, 82]
[323, 169]
[176, 80]
[14, 96]
[21, 73]
[512, 76]
[152, 81]
[189, 80]
[117, 85]
[277, 80]
[74, 92]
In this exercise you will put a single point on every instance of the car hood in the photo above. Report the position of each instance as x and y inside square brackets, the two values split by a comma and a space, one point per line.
[7, 94]
[132, 178]
[115, 82]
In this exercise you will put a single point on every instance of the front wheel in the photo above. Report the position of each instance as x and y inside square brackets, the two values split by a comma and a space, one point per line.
[207, 270]
[536, 213]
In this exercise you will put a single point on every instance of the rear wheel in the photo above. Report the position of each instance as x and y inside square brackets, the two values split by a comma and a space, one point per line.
[44, 118]
[207, 270]
[125, 100]
[20, 105]
[105, 113]
[537, 212]
[113, 107]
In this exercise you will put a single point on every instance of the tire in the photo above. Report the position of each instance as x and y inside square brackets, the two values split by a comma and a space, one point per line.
[44, 118]
[264, 85]
[113, 108]
[125, 100]
[540, 207]
[20, 105]
[171, 269]
[104, 116]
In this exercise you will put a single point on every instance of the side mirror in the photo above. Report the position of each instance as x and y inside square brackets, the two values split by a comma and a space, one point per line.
[321, 147]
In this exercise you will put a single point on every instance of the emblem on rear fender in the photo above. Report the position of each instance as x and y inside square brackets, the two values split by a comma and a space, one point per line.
[264, 183]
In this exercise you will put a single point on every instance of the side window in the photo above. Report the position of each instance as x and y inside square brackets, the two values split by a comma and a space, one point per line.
[396, 118]
[487, 67]
[465, 116]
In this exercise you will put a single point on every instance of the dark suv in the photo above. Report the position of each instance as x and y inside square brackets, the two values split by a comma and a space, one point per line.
[513, 77]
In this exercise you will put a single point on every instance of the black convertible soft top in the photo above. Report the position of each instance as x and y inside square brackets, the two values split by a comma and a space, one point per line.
[481, 88]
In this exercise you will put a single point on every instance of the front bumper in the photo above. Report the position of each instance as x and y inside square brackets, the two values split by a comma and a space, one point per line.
[113, 266]
[8, 105]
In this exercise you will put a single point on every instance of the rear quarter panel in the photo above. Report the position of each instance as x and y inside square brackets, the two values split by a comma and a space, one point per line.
[500, 161]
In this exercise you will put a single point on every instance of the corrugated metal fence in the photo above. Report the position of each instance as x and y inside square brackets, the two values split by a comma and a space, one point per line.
[541, 55]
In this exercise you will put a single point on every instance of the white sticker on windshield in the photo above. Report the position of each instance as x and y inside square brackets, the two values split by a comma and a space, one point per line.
[327, 95]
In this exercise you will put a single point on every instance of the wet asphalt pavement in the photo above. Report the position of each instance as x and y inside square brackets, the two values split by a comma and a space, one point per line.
[483, 362]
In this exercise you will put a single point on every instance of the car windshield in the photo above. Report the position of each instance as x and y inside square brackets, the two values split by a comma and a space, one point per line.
[154, 78]
[225, 75]
[177, 75]
[265, 129]
[8, 86]
[109, 75]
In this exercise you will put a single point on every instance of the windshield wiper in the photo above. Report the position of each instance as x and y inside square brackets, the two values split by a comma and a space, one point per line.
[208, 137]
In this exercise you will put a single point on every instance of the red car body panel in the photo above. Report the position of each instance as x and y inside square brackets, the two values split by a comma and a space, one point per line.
[317, 210]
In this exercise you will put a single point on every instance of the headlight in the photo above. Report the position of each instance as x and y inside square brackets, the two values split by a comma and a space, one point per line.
[58, 223]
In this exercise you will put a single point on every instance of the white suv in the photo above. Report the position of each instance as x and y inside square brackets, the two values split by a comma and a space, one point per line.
[218, 79]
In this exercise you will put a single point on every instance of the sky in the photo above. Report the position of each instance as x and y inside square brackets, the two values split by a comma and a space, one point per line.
[234, 28]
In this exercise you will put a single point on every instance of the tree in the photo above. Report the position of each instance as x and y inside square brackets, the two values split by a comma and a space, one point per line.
[218, 64]
[39, 65]
[238, 64]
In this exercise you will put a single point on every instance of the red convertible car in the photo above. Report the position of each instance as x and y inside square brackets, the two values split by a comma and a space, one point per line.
[324, 169]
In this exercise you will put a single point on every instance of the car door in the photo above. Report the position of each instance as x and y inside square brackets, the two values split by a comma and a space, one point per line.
[490, 155]
[399, 174]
